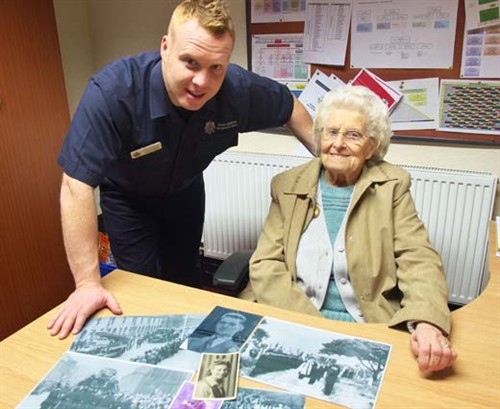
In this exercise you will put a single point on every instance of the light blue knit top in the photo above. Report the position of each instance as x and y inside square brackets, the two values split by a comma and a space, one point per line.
[335, 203]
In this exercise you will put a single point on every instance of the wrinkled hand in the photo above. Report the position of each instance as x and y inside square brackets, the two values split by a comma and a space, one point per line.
[432, 349]
[80, 305]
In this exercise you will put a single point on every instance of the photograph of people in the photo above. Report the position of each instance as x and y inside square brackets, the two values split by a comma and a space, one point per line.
[146, 128]
[222, 338]
[216, 377]
[343, 239]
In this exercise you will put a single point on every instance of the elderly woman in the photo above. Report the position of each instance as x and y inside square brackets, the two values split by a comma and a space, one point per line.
[343, 238]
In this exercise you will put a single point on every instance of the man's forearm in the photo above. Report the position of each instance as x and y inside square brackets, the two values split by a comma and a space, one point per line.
[79, 226]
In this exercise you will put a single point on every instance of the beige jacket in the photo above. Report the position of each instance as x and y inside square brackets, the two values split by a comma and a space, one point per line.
[395, 273]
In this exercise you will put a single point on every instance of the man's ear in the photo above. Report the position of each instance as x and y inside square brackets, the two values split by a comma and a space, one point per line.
[164, 45]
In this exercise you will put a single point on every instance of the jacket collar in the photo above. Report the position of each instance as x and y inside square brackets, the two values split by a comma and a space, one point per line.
[306, 182]
[372, 174]
[307, 179]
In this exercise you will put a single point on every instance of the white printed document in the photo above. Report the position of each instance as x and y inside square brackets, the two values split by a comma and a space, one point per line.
[419, 107]
[277, 11]
[279, 56]
[403, 33]
[481, 53]
[326, 30]
[481, 13]
[469, 106]
[316, 88]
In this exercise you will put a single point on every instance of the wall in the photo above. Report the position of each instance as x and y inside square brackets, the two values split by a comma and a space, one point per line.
[74, 42]
[113, 28]
[34, 116]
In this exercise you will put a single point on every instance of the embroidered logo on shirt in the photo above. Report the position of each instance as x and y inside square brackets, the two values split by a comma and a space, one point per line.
[211, 126]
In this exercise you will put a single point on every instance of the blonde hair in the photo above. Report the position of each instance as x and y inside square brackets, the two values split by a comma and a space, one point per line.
[212, 15]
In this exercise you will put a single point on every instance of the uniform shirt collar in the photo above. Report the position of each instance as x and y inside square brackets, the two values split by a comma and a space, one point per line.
[159, 102]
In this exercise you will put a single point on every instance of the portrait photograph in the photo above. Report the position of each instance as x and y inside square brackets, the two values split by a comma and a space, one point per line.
[217, 376]
[222, 331]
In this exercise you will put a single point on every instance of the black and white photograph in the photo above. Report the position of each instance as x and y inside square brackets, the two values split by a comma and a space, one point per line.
[222, 331]
[217, 376]
[147, 339]
[88, 382]
[249, 398]
[185, 400]
[325, 365]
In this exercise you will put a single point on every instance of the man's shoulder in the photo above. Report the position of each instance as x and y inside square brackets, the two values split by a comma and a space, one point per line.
[127, 70]
[238, 77]
[236, 72]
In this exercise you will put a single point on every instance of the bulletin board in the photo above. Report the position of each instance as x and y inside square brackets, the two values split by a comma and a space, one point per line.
[345, 73]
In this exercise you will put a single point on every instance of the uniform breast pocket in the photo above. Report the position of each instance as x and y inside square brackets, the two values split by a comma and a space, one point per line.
[209, 146]
[145, 174]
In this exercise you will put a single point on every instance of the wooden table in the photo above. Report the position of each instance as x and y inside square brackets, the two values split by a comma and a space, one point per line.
[473, 382]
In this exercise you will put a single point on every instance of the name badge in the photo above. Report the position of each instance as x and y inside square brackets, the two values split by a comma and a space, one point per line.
[146, 150]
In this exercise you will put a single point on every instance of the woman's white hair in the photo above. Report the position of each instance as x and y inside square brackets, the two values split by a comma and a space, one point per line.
[368, 104]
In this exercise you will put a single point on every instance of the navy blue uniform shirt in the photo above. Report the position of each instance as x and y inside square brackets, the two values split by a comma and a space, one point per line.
[126, 108]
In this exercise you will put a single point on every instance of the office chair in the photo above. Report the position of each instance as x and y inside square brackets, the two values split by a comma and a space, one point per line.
[231, 277]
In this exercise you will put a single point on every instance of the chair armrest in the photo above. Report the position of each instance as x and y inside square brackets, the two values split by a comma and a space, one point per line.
[232, 274]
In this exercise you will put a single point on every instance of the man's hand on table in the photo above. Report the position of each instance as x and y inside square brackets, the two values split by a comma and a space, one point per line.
[80, 305]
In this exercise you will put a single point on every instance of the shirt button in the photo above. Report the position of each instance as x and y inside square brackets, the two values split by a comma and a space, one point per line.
[341, 249]
[343, 281]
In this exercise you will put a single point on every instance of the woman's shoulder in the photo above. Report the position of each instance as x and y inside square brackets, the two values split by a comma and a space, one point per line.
[307, 169]
[390, 171]
[301, 179]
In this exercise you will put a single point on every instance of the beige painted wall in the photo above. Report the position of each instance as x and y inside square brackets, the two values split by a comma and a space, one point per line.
[94, 32]
[76, 50]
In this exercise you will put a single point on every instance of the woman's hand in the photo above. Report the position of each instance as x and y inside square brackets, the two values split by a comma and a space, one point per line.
[432, 349]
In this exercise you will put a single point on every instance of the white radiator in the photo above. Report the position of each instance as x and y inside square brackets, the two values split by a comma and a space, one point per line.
[455, 205]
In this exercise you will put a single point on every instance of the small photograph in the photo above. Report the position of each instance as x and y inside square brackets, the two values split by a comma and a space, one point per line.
[185, 400]
[326, 365]
[151, 340]
[89, 382]
[222, 331]
[249, 398]
[217, 376]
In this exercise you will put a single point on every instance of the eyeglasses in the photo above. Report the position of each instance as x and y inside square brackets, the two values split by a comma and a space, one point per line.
[331, 134]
